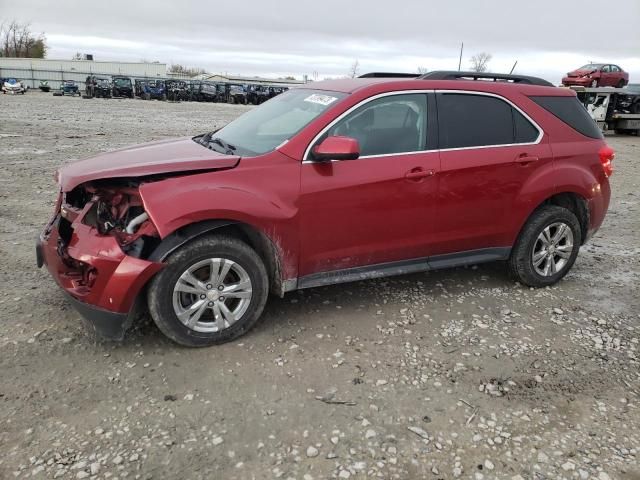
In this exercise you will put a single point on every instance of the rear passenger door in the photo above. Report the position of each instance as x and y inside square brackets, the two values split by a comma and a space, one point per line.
[489, 149]
[606, 76]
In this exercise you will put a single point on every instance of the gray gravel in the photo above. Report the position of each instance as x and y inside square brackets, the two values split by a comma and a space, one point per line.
[451, 374]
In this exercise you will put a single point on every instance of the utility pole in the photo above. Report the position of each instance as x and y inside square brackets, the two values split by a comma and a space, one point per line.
[460, 61]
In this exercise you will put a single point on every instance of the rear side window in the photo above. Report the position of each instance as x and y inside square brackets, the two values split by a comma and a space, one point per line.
[571, 112]
[470, 120]
[525, 132]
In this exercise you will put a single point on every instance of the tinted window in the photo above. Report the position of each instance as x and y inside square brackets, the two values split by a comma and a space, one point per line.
[467, 120]
[525, 132]
[571, 112]
[391, 124]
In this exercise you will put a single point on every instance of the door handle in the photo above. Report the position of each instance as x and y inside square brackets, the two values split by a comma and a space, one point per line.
[418, 174]
[525, 159]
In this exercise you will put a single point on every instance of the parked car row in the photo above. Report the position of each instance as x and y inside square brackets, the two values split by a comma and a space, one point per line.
[97, 86]
[205, 91]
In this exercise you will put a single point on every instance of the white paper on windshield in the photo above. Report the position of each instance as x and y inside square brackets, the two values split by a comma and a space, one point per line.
[320, 99]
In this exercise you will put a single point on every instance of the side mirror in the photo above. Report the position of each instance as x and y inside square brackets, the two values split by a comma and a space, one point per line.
[336, 148]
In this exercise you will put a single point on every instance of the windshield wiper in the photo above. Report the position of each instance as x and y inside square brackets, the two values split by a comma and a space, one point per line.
[222, 143]
[229, 149]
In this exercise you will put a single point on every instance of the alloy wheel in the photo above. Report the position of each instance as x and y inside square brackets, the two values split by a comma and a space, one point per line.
[552, 249]
[212, 294]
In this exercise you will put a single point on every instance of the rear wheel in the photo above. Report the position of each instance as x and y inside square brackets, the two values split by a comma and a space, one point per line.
[621, 84]
[211, 291]
[547, 247]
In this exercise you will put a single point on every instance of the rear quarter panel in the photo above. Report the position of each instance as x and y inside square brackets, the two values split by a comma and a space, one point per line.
[577, 167]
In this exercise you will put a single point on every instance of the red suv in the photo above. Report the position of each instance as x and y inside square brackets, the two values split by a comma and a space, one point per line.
[332, 182]
[597, 75]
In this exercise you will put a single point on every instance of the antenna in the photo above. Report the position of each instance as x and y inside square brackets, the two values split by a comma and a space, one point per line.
[460, 61]
[513, 68]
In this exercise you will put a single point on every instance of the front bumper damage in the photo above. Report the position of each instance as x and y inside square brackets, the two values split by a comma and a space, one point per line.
[577, 81]
[102, 281]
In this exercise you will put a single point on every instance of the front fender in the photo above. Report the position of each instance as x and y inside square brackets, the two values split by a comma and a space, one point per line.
[175, 206]
[260, 193]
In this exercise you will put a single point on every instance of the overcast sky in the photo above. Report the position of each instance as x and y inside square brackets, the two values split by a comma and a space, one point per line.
[297, 37]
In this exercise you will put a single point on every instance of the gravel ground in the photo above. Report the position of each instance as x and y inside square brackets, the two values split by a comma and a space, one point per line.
[450, 374]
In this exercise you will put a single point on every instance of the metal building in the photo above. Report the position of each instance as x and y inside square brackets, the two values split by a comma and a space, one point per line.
[251, 80]
[32, 70]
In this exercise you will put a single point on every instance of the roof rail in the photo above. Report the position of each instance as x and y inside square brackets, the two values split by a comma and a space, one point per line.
[496, 77]
[389, 75]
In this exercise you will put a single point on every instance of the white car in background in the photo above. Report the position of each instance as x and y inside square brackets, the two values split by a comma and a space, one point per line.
[13, 86]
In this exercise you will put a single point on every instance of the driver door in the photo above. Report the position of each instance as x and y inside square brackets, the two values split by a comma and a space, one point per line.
[379, 208]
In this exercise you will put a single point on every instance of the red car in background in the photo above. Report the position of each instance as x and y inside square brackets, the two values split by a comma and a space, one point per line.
[597, 75]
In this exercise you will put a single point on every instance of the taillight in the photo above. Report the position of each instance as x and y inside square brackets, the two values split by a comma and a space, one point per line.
[607, 155]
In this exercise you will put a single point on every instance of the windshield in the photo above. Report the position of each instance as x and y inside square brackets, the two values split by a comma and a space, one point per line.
[122, 82]
[591, 66]
[267, 126]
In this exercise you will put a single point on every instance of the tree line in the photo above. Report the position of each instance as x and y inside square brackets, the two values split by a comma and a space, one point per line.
[17, 40]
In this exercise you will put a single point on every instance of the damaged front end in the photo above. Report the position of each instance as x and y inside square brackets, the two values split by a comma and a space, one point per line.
[95, 247]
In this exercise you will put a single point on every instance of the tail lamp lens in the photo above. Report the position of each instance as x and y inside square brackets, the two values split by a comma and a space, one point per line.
[607, 155]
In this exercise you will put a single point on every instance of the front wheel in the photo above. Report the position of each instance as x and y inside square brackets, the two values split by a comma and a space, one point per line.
[211, 291]
[546, 248]
[594, 83]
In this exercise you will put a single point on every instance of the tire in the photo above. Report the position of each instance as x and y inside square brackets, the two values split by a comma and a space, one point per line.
[521, 261]
[147, 96]
[594, 83]
[163, 301]
[635, 108]
[621, 84]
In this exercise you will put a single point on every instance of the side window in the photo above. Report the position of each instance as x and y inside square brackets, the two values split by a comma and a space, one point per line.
[572, 112]
[525, 132]
[391, 124]
[615, 68]
[468, 120]
[606, 69]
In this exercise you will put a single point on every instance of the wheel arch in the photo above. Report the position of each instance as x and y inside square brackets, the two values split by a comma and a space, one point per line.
[256, 239]
[572, 201]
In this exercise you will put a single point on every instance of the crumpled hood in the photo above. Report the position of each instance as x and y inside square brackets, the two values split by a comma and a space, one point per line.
[163, 156]
[581, 73]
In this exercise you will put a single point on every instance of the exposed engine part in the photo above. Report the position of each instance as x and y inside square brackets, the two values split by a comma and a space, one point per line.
[134, 249]
[115, 210]
[140, 219]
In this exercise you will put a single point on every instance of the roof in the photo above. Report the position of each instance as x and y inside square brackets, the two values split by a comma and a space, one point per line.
[351, 85]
